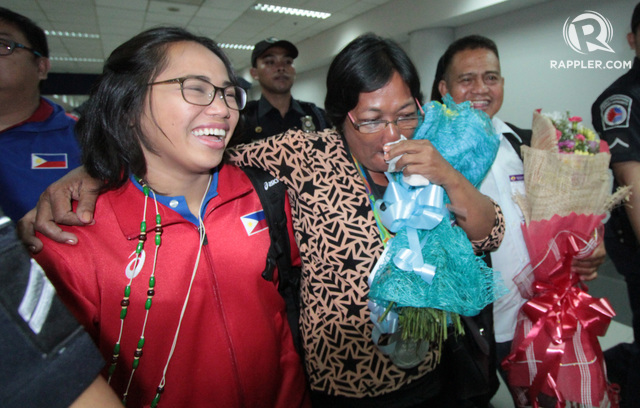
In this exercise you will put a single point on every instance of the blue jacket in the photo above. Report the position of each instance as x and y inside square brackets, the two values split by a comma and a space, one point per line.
[34, 155]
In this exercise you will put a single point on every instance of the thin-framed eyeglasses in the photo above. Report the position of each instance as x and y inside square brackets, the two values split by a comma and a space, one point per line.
[198, 91]
[7, 47]
[409, 122]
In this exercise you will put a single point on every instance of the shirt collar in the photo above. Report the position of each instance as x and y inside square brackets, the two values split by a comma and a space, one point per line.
[179, 203]
[265, 107]
[296, 107]
[42, 113]
[502, 128]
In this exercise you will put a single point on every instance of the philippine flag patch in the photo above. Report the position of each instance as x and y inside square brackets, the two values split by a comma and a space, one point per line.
[254, 222]
[49, 161]
[615, 112]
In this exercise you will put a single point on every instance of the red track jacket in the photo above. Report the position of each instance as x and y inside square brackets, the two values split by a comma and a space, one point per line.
[234, 347]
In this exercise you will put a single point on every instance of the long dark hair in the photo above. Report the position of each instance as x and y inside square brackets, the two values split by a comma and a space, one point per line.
[110, 131]
[366, 64]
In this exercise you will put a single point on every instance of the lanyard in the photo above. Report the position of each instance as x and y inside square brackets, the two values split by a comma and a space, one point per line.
[385, 235]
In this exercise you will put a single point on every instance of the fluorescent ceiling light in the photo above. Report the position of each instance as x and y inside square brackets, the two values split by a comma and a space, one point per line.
[70, 34]
[236, 46]
[72, 101]
[74, 59]
[291, 11]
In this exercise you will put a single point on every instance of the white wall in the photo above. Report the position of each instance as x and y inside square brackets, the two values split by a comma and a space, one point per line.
[527, 40]
[311, 86]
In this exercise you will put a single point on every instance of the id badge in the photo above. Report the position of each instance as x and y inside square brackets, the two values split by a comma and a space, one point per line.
[516, 182]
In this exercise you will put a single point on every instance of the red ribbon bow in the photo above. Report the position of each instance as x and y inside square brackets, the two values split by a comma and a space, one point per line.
[558, 306]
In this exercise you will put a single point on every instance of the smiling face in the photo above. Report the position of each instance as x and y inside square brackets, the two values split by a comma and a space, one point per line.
[186, 139]
[387, 103]
[474, 75]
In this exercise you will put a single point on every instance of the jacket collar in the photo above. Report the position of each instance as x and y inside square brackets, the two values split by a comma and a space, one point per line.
[128, 203]
[265, 107]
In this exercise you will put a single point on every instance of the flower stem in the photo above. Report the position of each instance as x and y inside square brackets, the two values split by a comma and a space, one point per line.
[386, 311]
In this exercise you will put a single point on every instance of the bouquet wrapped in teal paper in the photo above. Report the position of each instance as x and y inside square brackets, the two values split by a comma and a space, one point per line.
[429, 274]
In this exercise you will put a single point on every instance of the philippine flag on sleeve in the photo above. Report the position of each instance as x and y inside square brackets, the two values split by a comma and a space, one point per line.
[254, 222]
[49, 161]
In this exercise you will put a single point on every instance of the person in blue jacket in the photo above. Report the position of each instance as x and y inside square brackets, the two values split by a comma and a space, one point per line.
[37, 137]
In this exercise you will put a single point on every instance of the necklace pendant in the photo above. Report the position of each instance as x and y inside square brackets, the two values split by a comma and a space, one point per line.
[135, 265]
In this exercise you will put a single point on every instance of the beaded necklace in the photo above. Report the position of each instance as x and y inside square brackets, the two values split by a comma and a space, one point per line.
[133, 268]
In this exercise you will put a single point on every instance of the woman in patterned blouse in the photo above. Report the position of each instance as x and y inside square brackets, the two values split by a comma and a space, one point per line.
[373, 96]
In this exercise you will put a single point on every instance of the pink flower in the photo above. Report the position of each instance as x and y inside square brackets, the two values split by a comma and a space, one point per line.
[567, 146]
[575, 119]
[580, 137]
[594, 146]
[558, 134]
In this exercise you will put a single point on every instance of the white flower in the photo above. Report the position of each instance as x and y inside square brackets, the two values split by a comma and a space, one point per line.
[554, 116]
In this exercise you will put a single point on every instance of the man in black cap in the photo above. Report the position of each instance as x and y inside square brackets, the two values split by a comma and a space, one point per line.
[276, 111]
[616, 117]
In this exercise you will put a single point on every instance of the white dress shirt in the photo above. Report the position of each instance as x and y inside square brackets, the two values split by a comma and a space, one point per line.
[504, 179]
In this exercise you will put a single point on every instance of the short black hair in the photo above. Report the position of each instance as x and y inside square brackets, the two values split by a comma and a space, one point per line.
[110, 131]
[470, 42]
[635, 19]
[33, 33]
[366, 64]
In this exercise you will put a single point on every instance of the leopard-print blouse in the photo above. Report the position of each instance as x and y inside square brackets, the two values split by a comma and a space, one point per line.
[339, 245]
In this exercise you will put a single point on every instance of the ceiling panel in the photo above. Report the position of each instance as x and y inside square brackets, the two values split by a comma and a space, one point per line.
[122, 4]
[239, 5]
[172, 7]
[228, 21]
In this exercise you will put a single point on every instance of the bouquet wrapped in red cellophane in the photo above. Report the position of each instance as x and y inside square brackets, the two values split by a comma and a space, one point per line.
[556, 356]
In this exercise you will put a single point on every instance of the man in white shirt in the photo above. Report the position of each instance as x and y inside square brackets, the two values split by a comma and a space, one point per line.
[470, 71]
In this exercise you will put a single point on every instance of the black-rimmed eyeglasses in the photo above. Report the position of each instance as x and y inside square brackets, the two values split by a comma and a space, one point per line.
[7, 47]
[197, 91]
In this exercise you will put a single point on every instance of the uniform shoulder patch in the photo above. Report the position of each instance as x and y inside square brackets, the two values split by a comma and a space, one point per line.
[615, 111]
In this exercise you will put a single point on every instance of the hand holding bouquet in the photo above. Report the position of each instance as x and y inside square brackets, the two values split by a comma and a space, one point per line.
[568, 193]
[429, 274]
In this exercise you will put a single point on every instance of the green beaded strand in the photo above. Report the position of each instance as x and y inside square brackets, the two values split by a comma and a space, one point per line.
[114, 360]
[151, 291]
[124, 303]
[156, 399]
[158, 230]
[148, 303]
